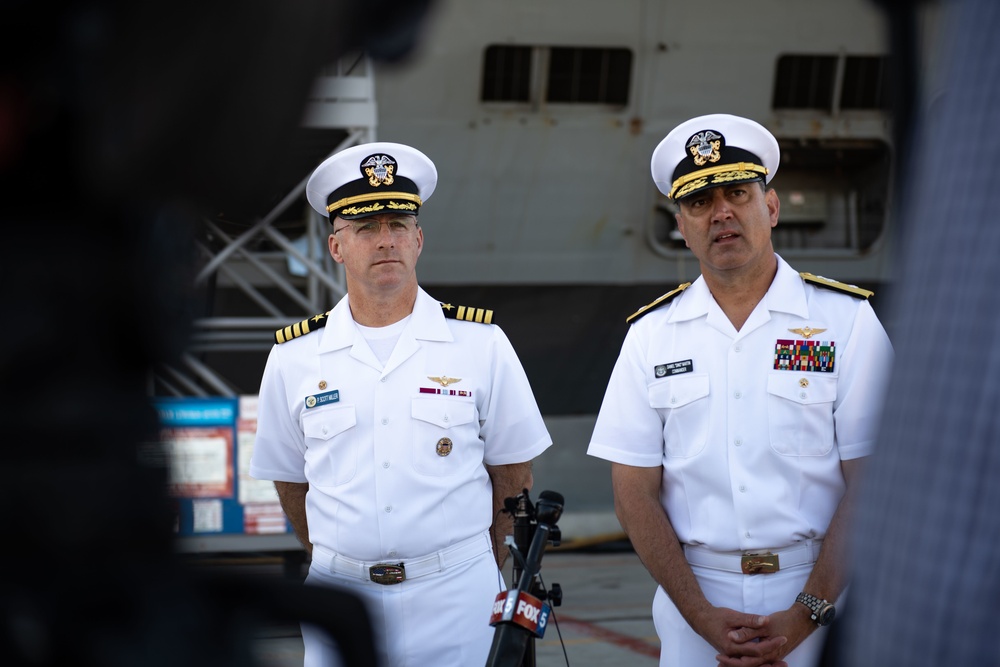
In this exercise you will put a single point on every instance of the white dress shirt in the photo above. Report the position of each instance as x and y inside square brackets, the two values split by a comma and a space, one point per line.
[750, 452]
[384, 482]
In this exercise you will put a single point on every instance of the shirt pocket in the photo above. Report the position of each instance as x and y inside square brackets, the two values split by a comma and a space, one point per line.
[445, 436]
[332, 446]
[683, 404]
[800, 413]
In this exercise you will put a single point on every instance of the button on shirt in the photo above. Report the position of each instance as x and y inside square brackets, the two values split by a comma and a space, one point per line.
[750, 453]
[378, 482]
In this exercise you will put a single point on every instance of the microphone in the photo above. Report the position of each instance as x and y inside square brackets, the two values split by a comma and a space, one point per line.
[522, 510]
[549, 507]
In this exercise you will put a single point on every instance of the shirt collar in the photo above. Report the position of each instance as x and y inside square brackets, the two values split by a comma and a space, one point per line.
[427, 322]
[786, 294]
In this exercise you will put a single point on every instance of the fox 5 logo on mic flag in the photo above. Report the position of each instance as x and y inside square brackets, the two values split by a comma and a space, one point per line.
[526, 610]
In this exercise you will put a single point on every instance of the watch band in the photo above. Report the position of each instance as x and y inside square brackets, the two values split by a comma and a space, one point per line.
[815, 605]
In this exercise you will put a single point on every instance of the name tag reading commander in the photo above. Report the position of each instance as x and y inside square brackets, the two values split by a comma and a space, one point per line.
[394, 425]
[738, 416]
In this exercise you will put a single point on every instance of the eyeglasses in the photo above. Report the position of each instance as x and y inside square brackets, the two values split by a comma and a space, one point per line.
[372, 228]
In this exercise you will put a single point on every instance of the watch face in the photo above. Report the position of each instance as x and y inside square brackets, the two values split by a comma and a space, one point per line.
[826, 615]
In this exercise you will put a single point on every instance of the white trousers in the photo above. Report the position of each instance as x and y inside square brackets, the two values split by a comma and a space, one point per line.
[440, 619]
[680, 646]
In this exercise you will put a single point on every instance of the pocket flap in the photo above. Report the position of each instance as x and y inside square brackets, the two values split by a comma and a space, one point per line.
[803, 388]
[678, 391]
[325, 423]
[443, 412]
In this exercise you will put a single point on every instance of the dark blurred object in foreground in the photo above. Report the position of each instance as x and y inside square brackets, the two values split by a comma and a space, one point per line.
[120, 125]
[927, 557]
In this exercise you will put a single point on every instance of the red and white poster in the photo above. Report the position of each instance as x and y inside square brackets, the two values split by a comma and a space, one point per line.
[201, 461]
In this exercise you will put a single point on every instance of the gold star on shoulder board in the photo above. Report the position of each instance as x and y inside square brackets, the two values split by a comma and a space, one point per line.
[444, 381]
[447, 306]
[807, 332]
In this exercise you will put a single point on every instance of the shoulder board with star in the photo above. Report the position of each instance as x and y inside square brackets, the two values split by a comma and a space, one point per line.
[307, 325]
[660, 301]
[468, 313]
[820, 281]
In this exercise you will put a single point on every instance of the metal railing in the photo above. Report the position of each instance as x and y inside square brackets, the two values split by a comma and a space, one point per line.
[282, 272]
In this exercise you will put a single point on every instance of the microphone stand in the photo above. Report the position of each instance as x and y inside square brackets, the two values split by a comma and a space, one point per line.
[519, 615]
[524, 530]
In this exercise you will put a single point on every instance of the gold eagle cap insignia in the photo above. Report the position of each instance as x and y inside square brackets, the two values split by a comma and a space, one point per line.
[807, 332]
[444, 380]
[704, 147]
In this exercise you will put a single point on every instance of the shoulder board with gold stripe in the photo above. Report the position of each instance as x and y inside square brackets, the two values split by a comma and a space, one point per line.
[300, 328]
[468, 313]
[661, 301]
[820, 281]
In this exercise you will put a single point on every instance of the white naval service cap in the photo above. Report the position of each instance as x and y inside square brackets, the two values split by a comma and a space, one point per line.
[708, 151]
[373, 178]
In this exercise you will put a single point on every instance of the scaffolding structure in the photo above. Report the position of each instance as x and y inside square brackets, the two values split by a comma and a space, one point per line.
[278, 268]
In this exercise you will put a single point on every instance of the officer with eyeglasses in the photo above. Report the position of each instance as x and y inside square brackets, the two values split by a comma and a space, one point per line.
[394, 426]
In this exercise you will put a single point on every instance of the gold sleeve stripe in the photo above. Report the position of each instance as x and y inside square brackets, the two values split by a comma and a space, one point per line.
[293, 331]
[480, 315]
[836, 285]
[666, 298]
[371, 196]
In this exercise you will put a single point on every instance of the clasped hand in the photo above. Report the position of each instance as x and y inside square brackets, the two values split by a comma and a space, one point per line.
[752, 640]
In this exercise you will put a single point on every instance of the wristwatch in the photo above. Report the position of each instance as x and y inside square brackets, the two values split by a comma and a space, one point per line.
[822, 611]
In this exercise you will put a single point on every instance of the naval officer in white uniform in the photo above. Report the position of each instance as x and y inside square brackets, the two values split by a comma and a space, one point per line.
[737, 417]
[395, 425]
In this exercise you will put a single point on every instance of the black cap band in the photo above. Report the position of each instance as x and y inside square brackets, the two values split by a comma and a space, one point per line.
[359, 199]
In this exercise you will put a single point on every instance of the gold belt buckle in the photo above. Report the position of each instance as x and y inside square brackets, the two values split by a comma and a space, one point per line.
[387, 573]
[762, 563]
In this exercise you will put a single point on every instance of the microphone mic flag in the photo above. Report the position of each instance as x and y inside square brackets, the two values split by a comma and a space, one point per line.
[524, 609]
